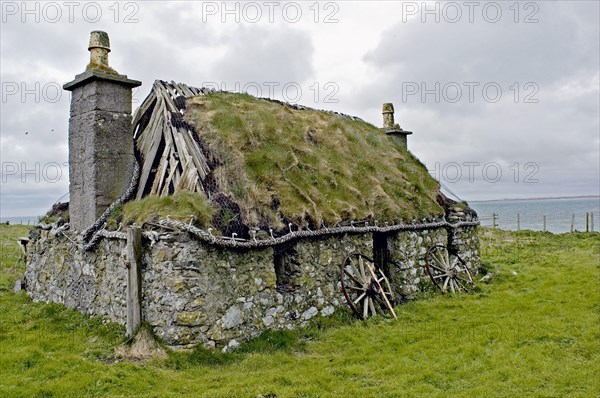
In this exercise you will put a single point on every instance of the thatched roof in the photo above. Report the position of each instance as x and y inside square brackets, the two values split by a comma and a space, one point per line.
[258, 163]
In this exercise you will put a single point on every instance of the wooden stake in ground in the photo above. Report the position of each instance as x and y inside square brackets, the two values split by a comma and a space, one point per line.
[134, 296]
[544, 223]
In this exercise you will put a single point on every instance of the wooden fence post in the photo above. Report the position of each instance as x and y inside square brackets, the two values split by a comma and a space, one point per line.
[544, 223]
[592, 222]
[572, 222]
[518, 221]
[494, 218]
[134, 293]
[587, 222]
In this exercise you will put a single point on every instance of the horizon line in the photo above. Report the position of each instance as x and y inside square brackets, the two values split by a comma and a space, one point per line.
[537, 198]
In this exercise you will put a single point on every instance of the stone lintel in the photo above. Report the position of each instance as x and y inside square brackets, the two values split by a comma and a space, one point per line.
[98, 74]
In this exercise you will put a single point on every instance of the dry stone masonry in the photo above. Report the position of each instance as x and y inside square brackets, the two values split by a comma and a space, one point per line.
[197, 293]
[191, 287]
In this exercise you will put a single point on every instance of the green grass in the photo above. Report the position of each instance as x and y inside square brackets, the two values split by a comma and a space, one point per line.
[271, 165]
[11, 261]
[279, 164]
[181, 206]
[533, 331]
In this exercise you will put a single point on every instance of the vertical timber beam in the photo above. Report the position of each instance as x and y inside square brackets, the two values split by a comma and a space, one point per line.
[134, 292]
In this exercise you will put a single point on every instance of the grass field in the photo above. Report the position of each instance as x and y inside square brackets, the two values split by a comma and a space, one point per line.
[532, 331]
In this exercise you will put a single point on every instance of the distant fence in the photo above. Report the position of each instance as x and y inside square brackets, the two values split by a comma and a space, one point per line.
[493, 220]
[496, 221]
[19, 221]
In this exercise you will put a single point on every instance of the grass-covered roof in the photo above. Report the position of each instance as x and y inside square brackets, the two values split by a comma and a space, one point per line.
[268, 164]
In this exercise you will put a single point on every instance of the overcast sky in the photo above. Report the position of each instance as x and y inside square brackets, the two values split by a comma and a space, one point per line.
[503, 99]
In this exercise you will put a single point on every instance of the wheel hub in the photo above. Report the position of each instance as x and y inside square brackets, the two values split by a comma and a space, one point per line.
[373, 289]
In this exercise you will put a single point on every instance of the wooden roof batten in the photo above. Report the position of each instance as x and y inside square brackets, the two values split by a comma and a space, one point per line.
[171, 160]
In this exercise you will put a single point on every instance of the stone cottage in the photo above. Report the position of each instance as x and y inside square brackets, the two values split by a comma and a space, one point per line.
[292, 213]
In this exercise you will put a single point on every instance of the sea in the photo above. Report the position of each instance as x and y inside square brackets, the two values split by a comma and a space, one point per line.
[559, 213]
[522, 214]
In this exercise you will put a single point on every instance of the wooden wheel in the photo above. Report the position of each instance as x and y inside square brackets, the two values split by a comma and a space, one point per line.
[448, 273]
[366, 289]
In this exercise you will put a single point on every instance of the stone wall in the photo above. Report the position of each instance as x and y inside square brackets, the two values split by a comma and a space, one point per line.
[465, 240]
[92, 282]
[196, 293]
[406, 269]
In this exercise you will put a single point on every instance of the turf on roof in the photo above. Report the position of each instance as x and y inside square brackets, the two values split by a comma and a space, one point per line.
[272, 165]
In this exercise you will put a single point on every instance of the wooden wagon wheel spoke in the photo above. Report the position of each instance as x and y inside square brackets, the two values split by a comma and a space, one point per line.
[468, 273]
[461, 286]
[351, 270]
[362, 268]
[372, 306]
[438, 268]
[452, 286]
[466, 285]
[366, 289]
[445, 283]
[440, 258]
[359, 298]
[353, 278]
[466, 280]
[452, 270]
[463, 276]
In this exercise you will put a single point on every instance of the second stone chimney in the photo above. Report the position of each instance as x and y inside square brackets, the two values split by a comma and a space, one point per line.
[100, 138]
[393, 129]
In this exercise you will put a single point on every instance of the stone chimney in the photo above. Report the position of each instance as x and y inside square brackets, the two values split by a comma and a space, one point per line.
[393, 129]
[100, 136]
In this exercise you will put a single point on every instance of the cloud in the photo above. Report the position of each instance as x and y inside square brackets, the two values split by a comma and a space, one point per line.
[255, 54]
[552, 121]
[369, 53]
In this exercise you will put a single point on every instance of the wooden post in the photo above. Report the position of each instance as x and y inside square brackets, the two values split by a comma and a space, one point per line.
[587, 222]
[134, 293]
[591, 222]
[494, 217]
[572, 222]
[544, 223]
[518, 221]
